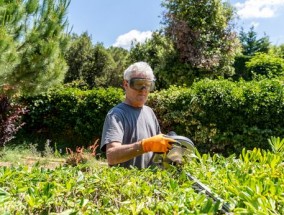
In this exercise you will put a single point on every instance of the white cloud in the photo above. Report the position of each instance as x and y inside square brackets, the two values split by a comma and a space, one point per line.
[132, 36]
[258, 8]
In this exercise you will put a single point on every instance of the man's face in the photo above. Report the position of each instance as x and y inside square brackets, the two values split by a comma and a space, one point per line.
[137, 90]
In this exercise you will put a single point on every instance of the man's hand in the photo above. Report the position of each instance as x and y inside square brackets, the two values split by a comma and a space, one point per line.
[158, 143]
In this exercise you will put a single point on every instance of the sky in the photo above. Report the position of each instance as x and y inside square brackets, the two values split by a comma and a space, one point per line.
[120, 22]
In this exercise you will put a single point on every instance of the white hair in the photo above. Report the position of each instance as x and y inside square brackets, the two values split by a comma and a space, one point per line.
[139, 68]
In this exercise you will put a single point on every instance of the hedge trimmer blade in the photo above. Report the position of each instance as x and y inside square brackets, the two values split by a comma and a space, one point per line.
[201, 188]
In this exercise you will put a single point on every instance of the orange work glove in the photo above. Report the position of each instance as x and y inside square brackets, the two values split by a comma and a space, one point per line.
[158, 143]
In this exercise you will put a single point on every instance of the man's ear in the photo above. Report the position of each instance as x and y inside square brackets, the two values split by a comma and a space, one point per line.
[124, 84]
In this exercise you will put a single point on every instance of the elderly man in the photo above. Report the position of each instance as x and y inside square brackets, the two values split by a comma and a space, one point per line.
[131, 132]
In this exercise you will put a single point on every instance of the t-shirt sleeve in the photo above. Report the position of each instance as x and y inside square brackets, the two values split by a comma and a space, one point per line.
[112, 130]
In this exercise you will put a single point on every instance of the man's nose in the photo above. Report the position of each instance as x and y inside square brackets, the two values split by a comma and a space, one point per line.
[145, 88]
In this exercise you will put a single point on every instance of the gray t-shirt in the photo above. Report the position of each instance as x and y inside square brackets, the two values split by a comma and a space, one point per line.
[127, 124]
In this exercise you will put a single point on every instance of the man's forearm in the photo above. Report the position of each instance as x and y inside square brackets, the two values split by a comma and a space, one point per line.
[117, 153]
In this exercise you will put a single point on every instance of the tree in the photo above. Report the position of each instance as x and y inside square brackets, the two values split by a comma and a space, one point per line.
[202, 33]
[252, 45]
[159, 52]
[32, 40]
[120, 57]
[78, 58]
[102, 67]
[94, 65]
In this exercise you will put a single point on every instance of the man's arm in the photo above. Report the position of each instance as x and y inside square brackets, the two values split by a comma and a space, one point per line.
[117, 153]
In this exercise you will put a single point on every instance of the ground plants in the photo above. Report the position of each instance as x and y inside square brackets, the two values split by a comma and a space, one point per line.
[251, 183]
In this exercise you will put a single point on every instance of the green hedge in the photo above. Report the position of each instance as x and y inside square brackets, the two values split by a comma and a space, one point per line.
[218, 115]
[223, 116]
[69, 116]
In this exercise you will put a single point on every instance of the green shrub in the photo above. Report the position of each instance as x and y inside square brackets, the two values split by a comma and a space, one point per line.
[69, 116]
[267, 65]
[93, 109]
[223, 116]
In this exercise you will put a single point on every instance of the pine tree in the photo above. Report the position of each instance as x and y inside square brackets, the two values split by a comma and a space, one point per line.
[251, 44]
[33, 39]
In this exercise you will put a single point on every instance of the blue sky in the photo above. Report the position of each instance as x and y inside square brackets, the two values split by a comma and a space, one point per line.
[118, 22]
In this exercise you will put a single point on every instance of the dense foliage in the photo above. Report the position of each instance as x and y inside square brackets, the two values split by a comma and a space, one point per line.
[250, 184]
[251, 45]
[263, 65]
[93, 65]
[70, 116]
[223, 116]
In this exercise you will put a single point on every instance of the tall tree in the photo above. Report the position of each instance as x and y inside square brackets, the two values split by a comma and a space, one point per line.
[202, 33]
[102, 65]
[159, 52]
[78, 57]
[251, 44]
[120, 57]
[32, 39]
[94, 65]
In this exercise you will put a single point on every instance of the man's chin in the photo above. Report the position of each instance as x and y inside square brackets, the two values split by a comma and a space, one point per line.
[139, 103]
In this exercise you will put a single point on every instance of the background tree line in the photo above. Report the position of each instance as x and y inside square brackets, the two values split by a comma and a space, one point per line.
[198, 40]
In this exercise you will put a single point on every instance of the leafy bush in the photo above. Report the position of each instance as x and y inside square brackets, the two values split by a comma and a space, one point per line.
[70, 116]
[267, 65]
[223, 116]
[241, 72]
[277, 145]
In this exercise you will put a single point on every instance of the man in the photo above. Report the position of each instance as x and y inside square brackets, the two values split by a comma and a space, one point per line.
[131, 132]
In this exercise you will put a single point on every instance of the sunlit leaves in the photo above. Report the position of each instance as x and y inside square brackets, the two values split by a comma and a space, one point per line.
[276, 144]
[251, 184]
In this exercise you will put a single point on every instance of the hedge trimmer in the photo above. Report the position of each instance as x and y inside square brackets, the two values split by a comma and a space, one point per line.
[185, 147]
